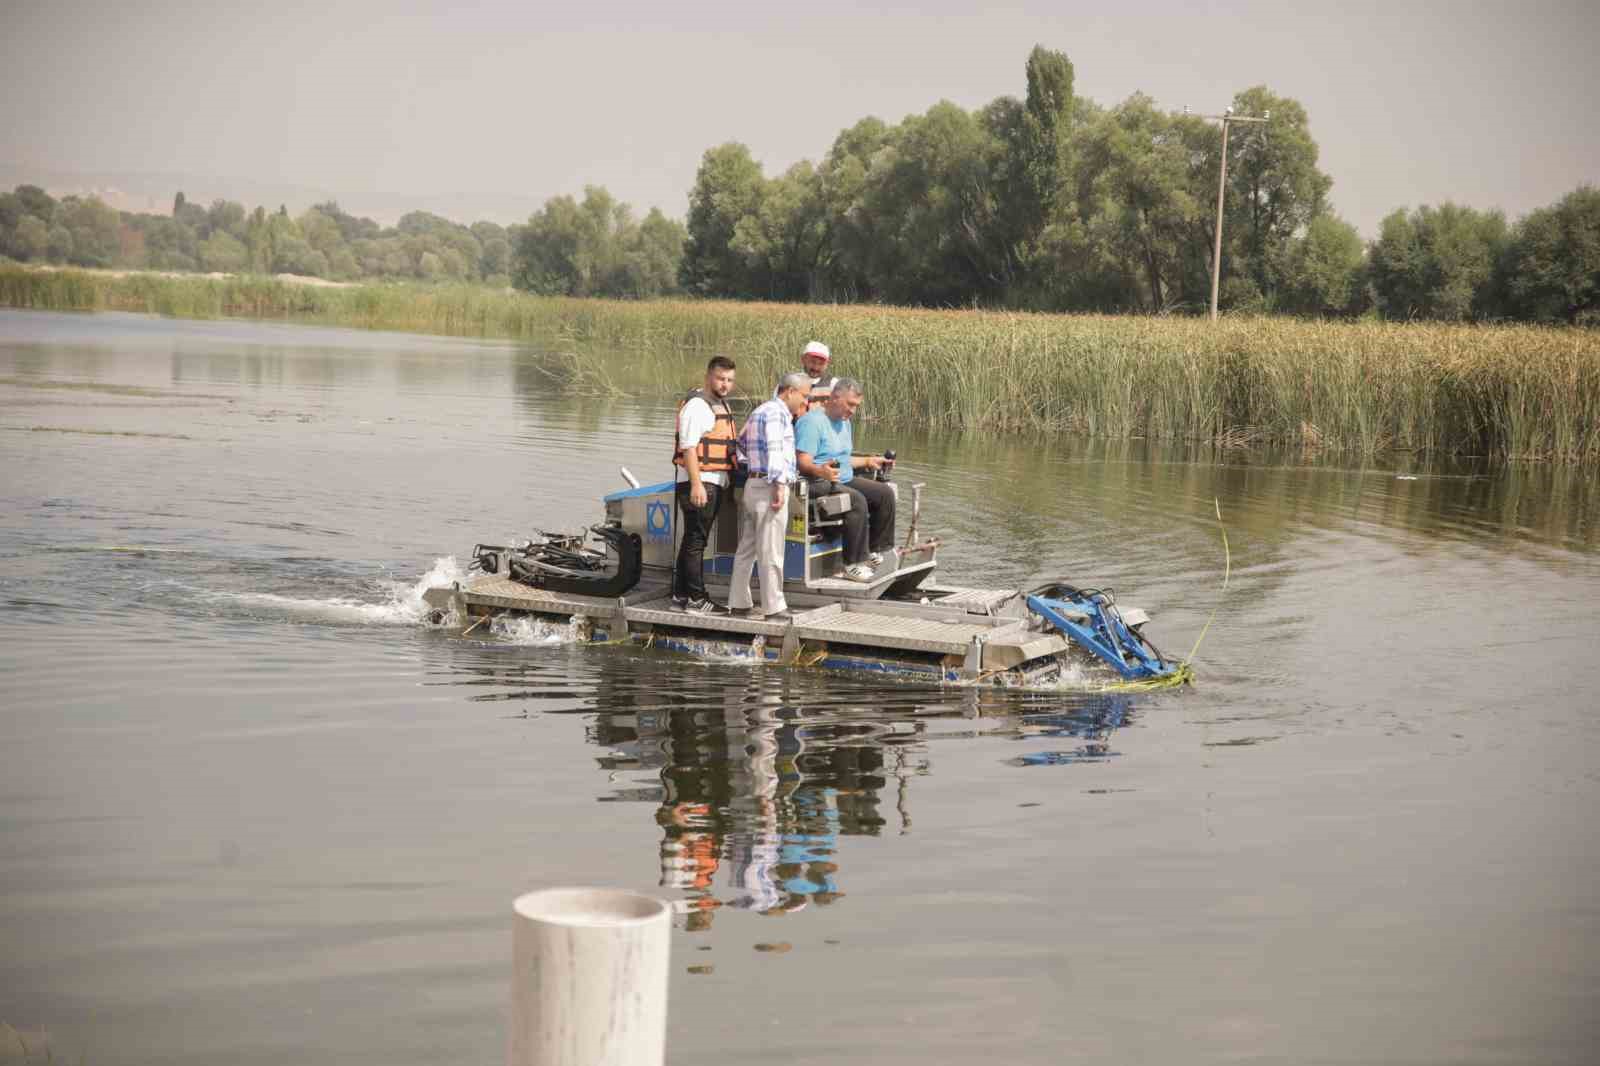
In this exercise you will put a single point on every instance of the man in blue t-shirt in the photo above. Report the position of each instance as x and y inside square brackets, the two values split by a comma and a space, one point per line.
[822, 444]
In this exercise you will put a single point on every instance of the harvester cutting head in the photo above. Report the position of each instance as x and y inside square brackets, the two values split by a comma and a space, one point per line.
[1091, 619]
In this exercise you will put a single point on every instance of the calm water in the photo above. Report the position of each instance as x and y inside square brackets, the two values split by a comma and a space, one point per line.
[253, 810]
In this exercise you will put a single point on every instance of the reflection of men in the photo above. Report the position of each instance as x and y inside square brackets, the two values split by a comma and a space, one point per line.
[766, 444]
[823, 443]
[704, 453]
[815, 359]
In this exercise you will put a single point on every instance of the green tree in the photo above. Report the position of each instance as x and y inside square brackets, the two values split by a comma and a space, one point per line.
[59, 248]
[291, 252]
[655, 255]
[31, 239]
[1438, 262]
[1552, 267]
[1274, 186]
[932, 202]
[351, 227]
[258, 242]
[321, 232]
[1324, 268]
[496, 256]
[167, 245]
[342, 265]
[11, 213]
[36, 202]
[223, 252]
[1135, 197]
[548, 254]
[195, 221]
[1044, 142]
[786, 239]
[595, 248]
[728, 188]
[853, 231]
[226, 216]
[96, 230]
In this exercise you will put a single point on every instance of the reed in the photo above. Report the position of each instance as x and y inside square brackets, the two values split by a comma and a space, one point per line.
[1368, 388]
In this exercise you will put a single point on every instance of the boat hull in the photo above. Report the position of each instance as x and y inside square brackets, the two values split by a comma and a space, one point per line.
[946, 635]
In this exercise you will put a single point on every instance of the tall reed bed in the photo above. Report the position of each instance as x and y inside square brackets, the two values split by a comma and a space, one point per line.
[1513, 392]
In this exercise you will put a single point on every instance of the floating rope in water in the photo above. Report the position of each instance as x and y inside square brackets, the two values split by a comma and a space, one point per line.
[1184, 674]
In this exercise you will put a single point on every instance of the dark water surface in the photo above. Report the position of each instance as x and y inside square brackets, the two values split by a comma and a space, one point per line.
[253, 810]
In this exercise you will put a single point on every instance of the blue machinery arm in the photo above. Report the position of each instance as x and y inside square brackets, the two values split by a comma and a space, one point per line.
[1090, 619]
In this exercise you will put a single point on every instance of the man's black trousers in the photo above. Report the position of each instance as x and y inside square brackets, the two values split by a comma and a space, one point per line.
[688, 575]
[869, 524]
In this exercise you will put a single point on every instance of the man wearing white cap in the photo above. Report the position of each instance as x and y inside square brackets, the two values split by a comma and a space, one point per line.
[815, 360]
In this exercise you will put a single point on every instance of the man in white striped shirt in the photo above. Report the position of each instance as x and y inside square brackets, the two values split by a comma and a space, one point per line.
[766, 445]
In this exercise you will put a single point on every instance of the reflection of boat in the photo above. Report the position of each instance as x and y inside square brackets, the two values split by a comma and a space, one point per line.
[902, 622]
[756, 796]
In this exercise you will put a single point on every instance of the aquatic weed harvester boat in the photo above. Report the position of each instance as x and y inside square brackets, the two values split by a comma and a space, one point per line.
[612, 584]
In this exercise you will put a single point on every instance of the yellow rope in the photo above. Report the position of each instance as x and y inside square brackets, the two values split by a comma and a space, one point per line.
[1184, 674]
[1227, 571]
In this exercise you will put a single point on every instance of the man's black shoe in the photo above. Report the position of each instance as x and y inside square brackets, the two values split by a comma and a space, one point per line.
[706, 606]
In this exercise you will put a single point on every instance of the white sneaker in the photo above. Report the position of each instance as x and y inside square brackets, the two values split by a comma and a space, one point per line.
[858, 572]
[876, 558]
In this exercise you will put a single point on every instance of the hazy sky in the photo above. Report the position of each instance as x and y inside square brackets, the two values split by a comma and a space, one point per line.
[1486, 104]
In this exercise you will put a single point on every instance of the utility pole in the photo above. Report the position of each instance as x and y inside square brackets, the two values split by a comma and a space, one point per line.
[1222, 187]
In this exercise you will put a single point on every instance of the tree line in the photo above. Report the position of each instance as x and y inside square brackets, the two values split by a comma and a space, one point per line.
[1048, 202]
[592, 247]
[1053, 202]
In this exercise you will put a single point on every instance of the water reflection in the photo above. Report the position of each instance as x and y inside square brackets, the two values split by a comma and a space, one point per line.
[754, 794]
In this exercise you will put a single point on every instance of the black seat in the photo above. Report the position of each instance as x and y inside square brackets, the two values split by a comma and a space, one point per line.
[826, 510]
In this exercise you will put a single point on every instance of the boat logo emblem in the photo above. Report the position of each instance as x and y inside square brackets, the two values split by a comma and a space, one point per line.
[656, 518]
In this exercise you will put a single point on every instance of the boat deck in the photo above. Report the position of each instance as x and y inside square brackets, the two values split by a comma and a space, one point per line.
[958, 627]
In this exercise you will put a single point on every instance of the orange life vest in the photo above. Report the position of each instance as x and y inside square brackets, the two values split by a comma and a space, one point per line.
[716, 449]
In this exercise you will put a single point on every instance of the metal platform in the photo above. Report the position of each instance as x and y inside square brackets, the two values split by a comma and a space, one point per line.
[955, 630]
[490, 590]
[978, 601]
[864, 625]
[844, 588]
[662, 612]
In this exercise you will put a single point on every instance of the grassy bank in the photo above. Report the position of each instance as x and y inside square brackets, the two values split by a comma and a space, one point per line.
[1516, 392]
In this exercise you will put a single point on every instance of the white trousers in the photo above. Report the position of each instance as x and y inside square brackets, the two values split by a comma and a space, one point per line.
[761, 531]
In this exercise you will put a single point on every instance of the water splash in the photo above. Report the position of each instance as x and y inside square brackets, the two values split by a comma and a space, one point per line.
[533, 631]
[404, 604]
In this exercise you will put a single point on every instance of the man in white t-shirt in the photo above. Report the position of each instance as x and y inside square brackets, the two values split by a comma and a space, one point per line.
[704, 452]
[815, 359]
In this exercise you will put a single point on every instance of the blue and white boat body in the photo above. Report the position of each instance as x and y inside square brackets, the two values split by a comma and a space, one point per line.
[903, 623]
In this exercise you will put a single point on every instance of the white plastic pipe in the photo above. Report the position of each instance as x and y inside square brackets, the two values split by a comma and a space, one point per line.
[589, 979]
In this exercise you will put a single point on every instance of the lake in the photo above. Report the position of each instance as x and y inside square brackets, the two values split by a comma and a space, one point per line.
[254, 809]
